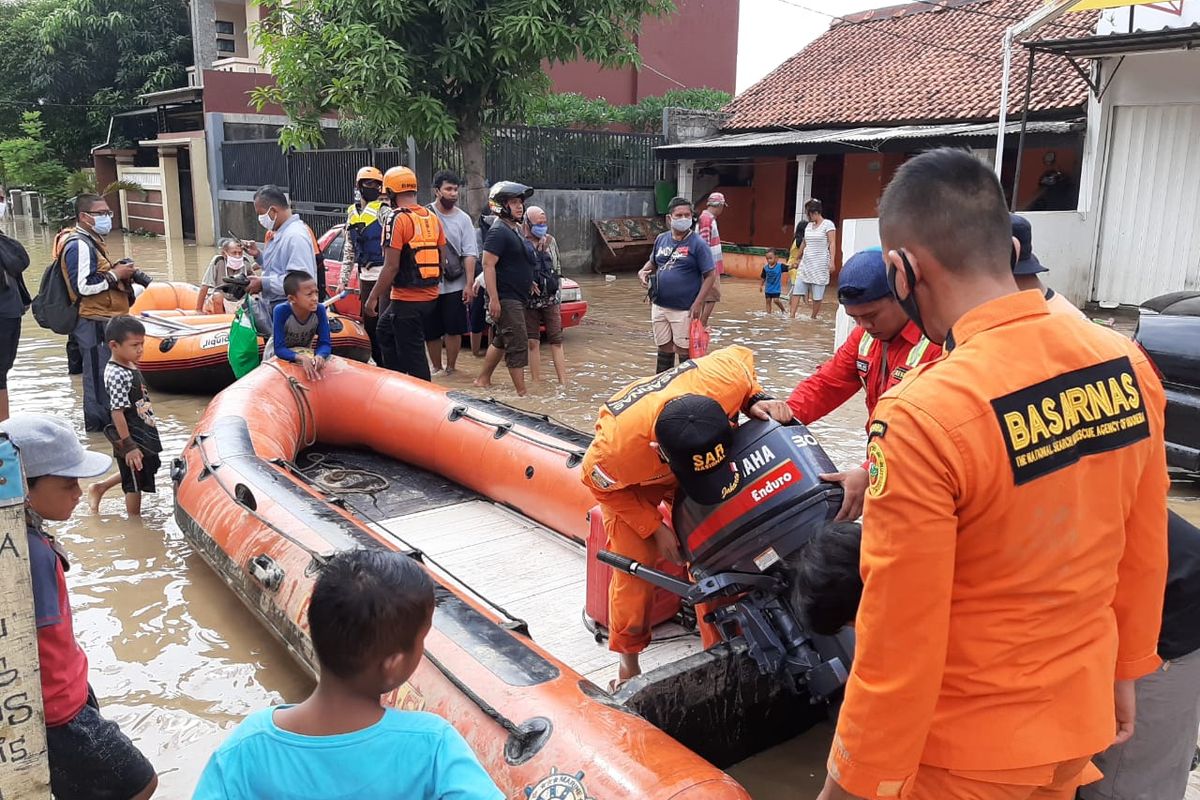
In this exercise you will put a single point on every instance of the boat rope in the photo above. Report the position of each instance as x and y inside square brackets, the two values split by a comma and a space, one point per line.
[523, 735]
[574, 454]
[320, 559]
[514, 623]
[308, 427]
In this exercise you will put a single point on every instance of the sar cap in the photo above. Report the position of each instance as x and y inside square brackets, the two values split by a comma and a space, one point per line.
[695, 434]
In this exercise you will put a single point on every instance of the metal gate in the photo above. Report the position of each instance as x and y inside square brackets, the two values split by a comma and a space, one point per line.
[321, 182]
[1149, 240]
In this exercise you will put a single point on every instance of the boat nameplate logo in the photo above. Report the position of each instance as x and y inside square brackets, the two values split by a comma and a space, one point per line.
[558, 786]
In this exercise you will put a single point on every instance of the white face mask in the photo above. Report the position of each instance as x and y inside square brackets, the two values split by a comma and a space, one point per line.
[266, 221]
[234, 263]
[3, 208]
[681, 224]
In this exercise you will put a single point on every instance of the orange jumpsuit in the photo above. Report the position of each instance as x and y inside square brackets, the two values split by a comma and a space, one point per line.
[630, 480]
[1014, 560]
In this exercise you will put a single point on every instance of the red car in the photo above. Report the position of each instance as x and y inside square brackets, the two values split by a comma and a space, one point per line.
[573, 305]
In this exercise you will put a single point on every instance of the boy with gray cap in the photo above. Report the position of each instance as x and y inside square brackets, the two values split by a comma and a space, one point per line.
[89, 756]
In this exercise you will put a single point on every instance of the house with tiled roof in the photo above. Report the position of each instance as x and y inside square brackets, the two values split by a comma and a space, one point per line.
[839, 117]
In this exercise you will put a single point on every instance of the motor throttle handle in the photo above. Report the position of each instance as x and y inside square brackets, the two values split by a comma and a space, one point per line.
[616, 561]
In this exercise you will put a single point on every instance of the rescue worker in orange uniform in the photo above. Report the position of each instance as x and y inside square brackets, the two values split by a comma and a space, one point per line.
[412, 268]
[883, 346]
[1014, 539]
[630, 472]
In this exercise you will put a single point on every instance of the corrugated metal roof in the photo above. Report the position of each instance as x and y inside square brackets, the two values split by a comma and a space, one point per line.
[862, 136]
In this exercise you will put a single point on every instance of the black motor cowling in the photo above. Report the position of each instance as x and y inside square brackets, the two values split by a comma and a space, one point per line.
[779, 505]
[738, 552]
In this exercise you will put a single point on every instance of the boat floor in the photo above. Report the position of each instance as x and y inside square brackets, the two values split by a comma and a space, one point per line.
[533, 573]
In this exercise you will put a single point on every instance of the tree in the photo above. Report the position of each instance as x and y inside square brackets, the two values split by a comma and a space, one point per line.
[27, 161]
[80, 61]
[436, 70]
[569, 110]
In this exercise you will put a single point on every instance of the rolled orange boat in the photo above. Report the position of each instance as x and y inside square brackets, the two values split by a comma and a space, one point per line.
[188, 352]
[282, 472]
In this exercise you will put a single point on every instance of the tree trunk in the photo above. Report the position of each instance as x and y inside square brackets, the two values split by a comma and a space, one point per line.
[470, 140]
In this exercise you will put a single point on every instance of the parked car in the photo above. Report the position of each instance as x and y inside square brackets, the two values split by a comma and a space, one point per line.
[574, 307]
[1168, 332]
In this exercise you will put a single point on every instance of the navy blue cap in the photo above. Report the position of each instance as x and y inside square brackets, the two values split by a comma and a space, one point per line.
[863, 278]
[1028, 263]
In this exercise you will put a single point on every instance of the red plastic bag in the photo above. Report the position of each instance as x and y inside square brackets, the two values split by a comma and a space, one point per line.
[697, 339]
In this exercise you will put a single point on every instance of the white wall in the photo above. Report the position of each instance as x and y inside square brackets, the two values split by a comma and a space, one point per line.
[1062, 241]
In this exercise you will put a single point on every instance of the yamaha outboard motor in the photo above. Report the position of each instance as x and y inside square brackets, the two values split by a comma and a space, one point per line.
[739, 549]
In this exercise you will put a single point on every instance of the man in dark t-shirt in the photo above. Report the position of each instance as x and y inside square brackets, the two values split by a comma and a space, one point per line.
[508, 278]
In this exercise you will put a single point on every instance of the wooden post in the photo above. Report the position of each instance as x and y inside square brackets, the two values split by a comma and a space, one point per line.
[24, 768]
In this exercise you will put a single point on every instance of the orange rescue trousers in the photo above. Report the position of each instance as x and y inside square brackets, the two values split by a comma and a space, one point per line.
[1046, 782]
[630, 599]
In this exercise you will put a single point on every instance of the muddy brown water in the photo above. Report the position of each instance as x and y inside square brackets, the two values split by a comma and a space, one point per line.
[178, 661]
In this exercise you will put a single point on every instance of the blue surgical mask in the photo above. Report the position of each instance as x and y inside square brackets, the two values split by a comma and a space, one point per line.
[539, 231]
[681, 224]
[103, 225]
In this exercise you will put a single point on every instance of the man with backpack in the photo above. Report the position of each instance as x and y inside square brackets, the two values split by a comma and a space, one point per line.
[412, 269]
[457, 289]
[100, 289]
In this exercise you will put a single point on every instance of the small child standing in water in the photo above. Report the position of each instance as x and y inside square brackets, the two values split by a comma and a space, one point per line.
[134, 429]
[772, 282]
[297, 322]
[369, 615]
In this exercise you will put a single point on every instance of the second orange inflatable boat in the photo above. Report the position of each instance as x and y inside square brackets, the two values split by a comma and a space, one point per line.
[282, 472]
[188, 352]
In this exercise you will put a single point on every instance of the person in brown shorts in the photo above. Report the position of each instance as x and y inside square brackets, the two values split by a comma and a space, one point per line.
[508, 277]
[544, 309]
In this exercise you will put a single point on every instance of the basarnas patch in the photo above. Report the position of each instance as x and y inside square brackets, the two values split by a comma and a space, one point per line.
[1053, 424]
[558, 786]
[876, 469]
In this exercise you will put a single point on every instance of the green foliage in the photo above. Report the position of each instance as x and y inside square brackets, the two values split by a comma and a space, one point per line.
[437, 70]
[84, 182]
[646, 116]
[576, 111]
[26, 161]
[80, 61]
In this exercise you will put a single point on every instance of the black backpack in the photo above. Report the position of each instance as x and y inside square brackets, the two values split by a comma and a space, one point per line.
[56, 306]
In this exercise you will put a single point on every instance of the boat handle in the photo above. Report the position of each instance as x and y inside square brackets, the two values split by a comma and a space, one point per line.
[264, 569]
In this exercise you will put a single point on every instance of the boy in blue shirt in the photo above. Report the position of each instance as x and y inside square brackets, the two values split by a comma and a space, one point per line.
[300, 320]
[369, 615]
[772, 282]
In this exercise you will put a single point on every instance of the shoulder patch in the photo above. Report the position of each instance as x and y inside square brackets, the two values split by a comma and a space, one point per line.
[1053, 424]
[602, 479]
[876, 469]
[878, 429]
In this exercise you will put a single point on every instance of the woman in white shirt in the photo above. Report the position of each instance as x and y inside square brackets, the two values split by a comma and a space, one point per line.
[816, 243]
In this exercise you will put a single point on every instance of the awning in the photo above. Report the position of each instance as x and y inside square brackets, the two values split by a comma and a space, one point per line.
[173, 97]
[1118, 43]
[849, 140]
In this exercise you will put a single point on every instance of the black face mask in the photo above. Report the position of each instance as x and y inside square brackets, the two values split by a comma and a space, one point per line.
[447, 202]
[909, 304]
[369, 194]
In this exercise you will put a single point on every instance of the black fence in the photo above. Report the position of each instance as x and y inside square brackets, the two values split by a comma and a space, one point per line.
[254, 163]
[553, 158]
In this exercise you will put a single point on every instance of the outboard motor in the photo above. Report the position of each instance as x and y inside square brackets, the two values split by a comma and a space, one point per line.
[739, 549]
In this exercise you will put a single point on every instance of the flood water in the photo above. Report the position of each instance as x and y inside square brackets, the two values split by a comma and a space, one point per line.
[178, 661]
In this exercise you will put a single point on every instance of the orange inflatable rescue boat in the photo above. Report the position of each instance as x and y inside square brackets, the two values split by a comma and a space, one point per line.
[282, 472]
[188, 352]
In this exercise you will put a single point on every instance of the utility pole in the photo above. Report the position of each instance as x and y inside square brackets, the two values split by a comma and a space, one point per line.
[24, 767]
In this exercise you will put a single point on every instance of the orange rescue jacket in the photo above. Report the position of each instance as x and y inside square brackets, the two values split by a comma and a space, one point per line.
[1014, 550]
[620, 457]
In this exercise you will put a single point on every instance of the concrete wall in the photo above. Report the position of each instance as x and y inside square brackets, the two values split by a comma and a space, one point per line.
[571, 212]
[1060, 240]
[695, 45]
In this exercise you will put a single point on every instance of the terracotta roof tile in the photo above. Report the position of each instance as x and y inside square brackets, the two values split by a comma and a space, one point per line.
[921, 62]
